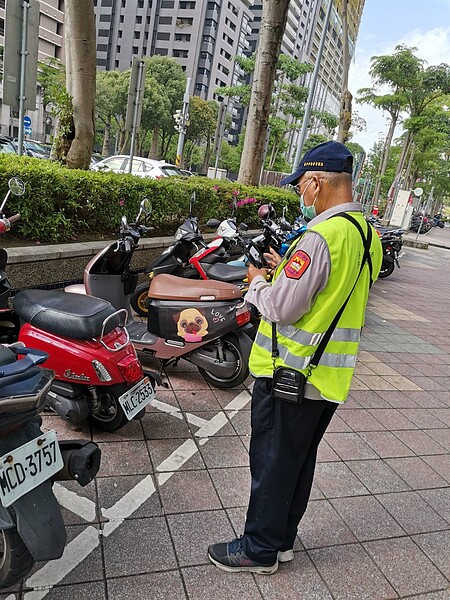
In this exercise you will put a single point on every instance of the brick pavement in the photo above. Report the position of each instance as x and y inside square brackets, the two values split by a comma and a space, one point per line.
[378, 523]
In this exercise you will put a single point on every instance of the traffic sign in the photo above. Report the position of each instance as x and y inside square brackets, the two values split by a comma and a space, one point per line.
[28, 131]
[27, 121]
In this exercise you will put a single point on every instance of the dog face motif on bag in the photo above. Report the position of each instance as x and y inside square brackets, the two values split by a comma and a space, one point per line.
[191, 324]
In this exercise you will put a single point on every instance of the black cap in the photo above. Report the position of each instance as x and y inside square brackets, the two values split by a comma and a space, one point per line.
[328, 156]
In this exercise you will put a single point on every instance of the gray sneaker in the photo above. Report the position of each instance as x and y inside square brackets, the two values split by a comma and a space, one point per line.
[230, 557]
[285, 555]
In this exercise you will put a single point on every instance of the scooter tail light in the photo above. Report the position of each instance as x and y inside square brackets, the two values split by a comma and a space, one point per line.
[243, 314]
[130, 368]
[101, 370]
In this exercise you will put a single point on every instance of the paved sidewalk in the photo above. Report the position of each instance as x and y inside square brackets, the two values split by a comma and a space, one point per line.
[378, 523]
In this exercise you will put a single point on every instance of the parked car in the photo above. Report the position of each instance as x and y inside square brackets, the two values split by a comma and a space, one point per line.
[32, 148]
[142, 167]
[6, 146]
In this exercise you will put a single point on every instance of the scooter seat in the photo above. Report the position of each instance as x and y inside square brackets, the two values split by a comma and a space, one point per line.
[170, 287]
[225, 272]
[69, 315]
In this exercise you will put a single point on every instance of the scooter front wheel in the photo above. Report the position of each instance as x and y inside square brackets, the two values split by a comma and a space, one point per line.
[138, 300]
[15, 559]
[230, 346]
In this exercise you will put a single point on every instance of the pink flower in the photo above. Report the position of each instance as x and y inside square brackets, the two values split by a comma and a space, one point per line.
[235, 192]
[122, 202]
[215, 188]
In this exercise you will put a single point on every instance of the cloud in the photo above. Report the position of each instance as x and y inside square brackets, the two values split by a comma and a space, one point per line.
[432, 46]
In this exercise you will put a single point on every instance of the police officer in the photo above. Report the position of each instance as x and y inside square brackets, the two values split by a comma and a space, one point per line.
[309, 287]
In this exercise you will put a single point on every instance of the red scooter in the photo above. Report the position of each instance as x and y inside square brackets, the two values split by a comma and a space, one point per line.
[97, 373]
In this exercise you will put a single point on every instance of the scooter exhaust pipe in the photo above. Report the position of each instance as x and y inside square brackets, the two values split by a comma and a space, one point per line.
[74, 411]
[81, 461]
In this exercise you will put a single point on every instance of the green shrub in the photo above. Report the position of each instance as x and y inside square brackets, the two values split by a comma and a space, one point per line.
[61, 204]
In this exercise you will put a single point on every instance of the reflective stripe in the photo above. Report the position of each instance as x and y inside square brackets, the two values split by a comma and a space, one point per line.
[347, 361]
[305, 338]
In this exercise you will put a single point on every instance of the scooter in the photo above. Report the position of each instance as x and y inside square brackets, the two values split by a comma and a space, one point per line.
[392, 243]
[31, 524]
[174, 260]
[202, 322]
[98, 375]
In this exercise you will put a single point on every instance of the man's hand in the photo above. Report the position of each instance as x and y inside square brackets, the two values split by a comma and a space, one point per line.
[272, 258]
[254, 272]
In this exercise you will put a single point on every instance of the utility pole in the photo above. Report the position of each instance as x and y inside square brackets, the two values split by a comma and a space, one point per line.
[134, 104]
[312, 88]
[220, 129]
[182, 121]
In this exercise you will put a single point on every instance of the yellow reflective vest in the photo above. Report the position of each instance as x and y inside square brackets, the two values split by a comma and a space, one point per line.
[298, 342]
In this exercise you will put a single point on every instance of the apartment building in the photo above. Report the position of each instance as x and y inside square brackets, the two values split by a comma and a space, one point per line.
[51, 45]
[203, 36]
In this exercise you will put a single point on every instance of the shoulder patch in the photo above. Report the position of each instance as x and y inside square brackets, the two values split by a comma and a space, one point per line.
[297, 265]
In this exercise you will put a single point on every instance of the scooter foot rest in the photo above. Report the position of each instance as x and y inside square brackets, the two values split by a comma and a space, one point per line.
[169, 287]
[138, 332]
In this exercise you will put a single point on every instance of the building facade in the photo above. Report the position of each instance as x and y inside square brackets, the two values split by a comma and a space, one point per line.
[51, 45]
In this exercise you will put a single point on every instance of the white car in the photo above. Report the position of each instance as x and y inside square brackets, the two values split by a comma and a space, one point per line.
[142, 167]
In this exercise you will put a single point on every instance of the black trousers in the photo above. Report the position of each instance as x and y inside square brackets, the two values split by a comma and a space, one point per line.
[283, 451]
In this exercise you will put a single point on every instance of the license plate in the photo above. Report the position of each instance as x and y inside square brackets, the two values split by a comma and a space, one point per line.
[135, 399]
[24, 468]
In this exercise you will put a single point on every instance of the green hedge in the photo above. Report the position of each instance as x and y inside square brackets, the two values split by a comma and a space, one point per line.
[65, 205]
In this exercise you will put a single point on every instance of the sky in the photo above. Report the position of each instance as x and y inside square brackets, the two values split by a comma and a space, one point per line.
[384, 25]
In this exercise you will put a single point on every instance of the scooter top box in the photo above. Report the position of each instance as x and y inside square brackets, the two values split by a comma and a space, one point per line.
[187, 311]
[189, 322]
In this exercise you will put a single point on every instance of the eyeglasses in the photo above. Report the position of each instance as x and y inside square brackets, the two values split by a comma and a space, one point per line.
[298, 186]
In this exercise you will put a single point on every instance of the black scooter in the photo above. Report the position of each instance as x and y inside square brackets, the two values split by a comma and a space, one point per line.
[31, 524]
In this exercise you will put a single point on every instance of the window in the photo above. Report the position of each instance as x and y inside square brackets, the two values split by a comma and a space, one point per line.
[233, 8]
[114, 164]
[220, 83]
[184, 21]
[102, 47]
[167, 4]
[227, 39]
[161, 51]
[118, 48]
[103, 33]
[140, 3]
[106, 3]
[139, 19]
[180, 53]
[116, 64]
[203, 71]
[225, 54]
[230, 24]
[105, 18]
[206, 56]
[211, 23]
[165, 20]
[101, 62]
[162, 35]
[119, 33]
[121, 19]
[134, 49]
[187, 5]
[182, 37]
[137, 35]
[208, 39]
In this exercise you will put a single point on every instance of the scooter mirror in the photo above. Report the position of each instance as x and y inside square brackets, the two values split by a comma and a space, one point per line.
[17, 186]
[124, 222]
[145, 210]
[243, 227]
[213, 223]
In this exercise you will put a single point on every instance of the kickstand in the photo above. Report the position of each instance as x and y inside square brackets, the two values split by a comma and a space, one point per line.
[163, 363]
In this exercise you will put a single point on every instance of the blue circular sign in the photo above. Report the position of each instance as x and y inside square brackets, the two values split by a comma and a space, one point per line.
[27, 121]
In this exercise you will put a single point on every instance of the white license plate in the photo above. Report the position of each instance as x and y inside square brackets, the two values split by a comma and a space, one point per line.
[24, 468]
[135, 399]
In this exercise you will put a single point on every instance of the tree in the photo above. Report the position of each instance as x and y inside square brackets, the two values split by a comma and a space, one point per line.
[201, 128]
[345, 113]
[80, 47]
[110, 103]
[273, 24]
